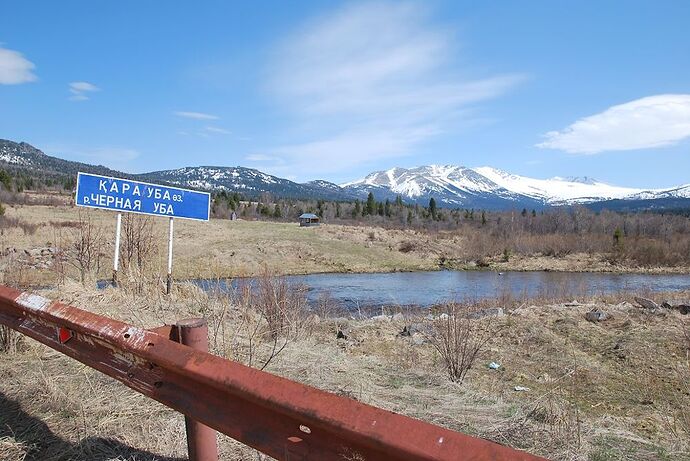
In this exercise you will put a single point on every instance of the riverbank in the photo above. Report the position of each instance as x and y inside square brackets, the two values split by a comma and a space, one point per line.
[35, 236]
[616, 389]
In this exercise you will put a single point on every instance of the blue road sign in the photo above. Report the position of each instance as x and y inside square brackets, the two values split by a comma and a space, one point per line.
[124, 195]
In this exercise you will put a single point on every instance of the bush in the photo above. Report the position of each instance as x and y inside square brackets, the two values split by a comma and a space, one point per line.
[272, 315]
[86, 248]
[407, 246]
[458, 337]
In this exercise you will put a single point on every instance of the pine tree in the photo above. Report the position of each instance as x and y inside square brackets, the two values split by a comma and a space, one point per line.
[371, 205]
[387, 208]
[5, 180]
[357, 210]
[276, 212]
[432, 208]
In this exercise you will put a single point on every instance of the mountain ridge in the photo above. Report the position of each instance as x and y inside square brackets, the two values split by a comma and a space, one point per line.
[450, 185]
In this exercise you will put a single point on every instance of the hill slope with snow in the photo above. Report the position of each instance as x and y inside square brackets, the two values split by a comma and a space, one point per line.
[450, 185]
[470, 187]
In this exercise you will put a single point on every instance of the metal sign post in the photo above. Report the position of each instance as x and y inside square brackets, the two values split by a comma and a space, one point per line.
[124, 195]
[116, 256]
[170, 256]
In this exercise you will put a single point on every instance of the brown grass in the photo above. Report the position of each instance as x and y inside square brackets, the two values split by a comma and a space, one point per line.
[598, 391]
[602, 391]
[223, 248]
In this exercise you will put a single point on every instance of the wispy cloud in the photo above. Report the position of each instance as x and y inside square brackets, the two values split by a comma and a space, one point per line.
[205, 132]
[654, 121]
[15, 68]
[196, 115]
[217, 130]
[80, 90]
[379, 78]
[343, 151]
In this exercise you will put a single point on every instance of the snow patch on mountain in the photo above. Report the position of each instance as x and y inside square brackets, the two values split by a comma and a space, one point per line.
[419, 181]
[674, 192]
[15, 154]
[557, 190]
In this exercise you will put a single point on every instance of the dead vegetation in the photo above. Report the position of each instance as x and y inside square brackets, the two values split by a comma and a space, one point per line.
[86, 245]
[608, 390]
[458, 336]
[9, 339]
[616, 389]
[244, 248]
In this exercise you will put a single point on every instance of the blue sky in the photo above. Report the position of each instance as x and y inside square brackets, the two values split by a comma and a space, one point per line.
[334, 90]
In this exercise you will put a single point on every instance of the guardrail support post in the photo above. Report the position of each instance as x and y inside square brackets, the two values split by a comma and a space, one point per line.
[201, 440]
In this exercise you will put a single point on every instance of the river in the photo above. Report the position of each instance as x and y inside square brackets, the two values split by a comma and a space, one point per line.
[434, 287]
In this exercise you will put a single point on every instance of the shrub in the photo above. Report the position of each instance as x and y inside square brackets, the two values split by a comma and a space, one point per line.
[459, 336]
[86, 247]
[272, 315]
[407, 246]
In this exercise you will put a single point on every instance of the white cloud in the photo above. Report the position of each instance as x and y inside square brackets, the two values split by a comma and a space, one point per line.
[15, 68]
[80, 90]
[196, 115]
[205, 132]
[340, 152]
[378, 78]
[215, 129]
[654, 121]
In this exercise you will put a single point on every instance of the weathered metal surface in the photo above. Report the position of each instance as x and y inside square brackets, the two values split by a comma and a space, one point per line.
[201, 440]
[278, 417]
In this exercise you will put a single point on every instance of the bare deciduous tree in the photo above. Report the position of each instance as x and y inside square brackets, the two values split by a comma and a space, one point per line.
[86, 247]
[271, 315]
[138, 245]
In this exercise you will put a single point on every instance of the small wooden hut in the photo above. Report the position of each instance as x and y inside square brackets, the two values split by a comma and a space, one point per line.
[309, 220]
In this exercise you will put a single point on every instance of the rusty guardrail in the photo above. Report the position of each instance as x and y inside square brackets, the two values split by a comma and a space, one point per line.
[279, 417]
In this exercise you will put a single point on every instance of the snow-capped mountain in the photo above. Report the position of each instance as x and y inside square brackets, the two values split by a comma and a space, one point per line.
[450, 185]
[248, 181]
[556, 190]
[490, 187]
[674, 192]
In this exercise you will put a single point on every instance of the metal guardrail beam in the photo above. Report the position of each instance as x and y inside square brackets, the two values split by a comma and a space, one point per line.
[279, 417]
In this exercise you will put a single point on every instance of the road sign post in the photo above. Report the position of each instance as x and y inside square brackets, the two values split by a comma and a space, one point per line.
[128, 196]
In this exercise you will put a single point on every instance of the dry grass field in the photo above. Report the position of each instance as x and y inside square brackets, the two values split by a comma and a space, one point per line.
[223, 248]
[618, 389]
[613, 390]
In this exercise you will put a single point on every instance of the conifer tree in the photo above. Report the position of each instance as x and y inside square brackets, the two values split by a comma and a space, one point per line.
[371, 205]
[432, 208]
